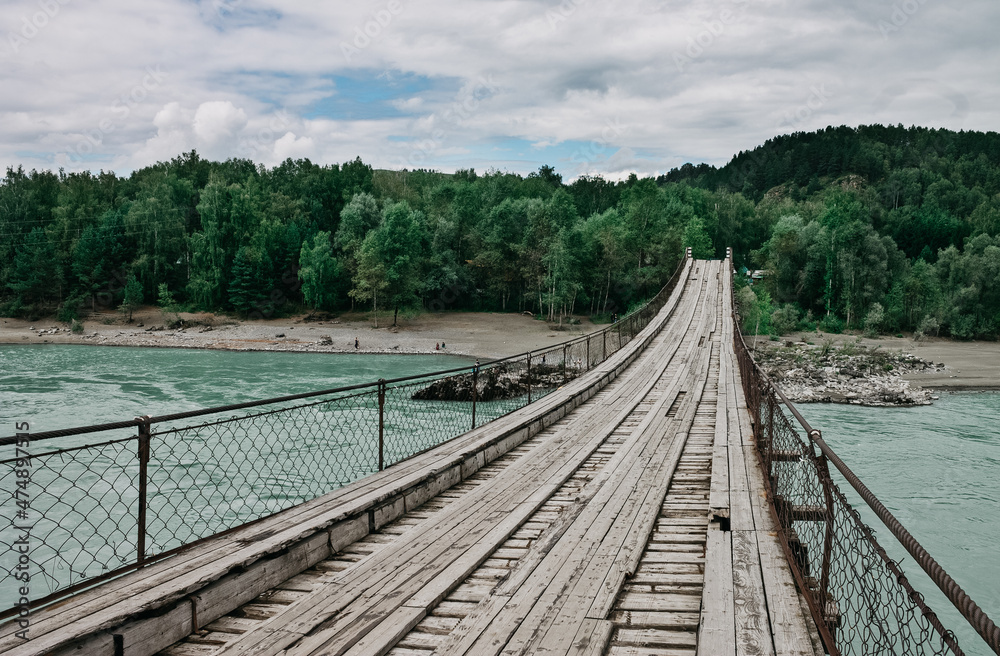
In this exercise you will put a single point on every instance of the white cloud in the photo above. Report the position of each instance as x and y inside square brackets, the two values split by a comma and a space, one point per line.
[217, 124]
[290, 146]
[267, 79]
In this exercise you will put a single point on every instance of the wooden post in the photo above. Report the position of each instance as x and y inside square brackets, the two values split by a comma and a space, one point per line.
[588, 353]
[564, 366]
[604, 345]
[144, 445]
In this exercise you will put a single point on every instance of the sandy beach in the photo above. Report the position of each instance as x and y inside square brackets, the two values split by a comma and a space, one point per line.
[482, 335]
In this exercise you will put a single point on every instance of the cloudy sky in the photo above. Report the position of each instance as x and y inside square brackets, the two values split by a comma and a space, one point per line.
[587, 86]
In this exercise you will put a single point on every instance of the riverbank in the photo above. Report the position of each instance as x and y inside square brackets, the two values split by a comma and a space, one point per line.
[883, 371]
[967, 365]
[481, 335]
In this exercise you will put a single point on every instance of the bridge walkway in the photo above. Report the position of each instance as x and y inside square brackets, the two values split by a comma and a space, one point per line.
[634, 525]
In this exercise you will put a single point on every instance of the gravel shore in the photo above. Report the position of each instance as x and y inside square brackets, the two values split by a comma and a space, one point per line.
[917, 367]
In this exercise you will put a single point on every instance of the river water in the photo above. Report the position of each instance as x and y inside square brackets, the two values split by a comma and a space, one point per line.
[80, 507]
[937, 468]
[60, 386]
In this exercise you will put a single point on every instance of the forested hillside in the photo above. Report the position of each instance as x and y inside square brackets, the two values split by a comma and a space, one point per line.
[883, 228]
[891, 227]
[234, 237]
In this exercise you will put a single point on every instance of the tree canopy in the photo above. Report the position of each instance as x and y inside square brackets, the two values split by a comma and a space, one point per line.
[856, 227]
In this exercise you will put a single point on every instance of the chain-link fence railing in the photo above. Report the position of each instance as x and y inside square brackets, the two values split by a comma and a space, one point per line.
[860, 598]
[95, 502]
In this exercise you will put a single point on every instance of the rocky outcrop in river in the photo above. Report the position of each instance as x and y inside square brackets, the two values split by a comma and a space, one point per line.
[495, 383]
[852, 373]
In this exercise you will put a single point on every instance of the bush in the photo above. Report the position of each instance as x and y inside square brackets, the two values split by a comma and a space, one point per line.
[76, 327]
[928, 326]
[785, 319]
[67, 312]
[755, 310]
[831, 324]
[873, 320]
[808, 322]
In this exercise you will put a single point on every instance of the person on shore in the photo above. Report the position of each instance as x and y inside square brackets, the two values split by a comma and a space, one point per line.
[357, 344]
[437, 347]
[442, 344]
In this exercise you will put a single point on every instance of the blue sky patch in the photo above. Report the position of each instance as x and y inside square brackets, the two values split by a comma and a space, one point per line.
[371, 94]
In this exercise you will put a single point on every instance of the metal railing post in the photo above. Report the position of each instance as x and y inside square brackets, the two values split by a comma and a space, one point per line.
[604, 345]
[564, 366]
[475, 391]
[588, 353]
[770, 431]
[143, 448]
[827, 483]
[529, 377]
[381, 424]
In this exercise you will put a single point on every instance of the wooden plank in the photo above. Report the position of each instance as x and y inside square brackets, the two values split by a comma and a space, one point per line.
[389, 631]
[235, 590]
[666, 603]
[372, 591]
[717, 629]
[463, 641]
[592, 638]
[753, 631]
[148, 636]
[719, 492]
[741, 517]
[789, 626]
[657, 638]
[666, 620]
[624, 559]
[98, 645]
[559, 611]
[570, 558]
[759, 504]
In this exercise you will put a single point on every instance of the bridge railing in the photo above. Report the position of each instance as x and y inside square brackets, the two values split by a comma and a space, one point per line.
[860, 598]
[95, 502]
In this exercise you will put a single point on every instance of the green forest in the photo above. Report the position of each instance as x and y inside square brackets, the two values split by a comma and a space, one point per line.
[882, 229]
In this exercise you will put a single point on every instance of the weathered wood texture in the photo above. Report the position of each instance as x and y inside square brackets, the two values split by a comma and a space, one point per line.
[752, 605]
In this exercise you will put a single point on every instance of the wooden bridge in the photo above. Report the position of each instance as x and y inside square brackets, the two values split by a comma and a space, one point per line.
[623, 514]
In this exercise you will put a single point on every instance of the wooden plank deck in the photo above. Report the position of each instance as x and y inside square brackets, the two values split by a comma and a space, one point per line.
[632, 524]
